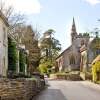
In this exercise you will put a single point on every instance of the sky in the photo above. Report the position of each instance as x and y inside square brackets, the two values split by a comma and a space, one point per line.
[58, 15]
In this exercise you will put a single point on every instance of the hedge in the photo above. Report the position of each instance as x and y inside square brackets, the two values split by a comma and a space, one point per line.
[22, 61]
[96, 71]
[12, 55]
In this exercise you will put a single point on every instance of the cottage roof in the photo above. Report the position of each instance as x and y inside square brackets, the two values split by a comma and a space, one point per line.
[4, 18]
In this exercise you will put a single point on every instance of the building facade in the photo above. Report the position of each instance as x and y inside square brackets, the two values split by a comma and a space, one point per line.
[70, 58]
[3, 45]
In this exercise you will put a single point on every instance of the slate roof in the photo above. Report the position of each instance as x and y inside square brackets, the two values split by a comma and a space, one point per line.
[4, 18]
[64, 51]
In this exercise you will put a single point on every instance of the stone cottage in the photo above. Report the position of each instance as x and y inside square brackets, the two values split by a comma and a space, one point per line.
[3, 45]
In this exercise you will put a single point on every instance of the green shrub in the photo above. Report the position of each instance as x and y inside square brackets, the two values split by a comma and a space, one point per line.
[22, 61]
[12, 55]
[61, 73]
[95, 71]
[43, 68]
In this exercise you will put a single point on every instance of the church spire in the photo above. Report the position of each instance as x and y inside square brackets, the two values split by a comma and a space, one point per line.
[73, 21]
[73, 30]
[73, 27]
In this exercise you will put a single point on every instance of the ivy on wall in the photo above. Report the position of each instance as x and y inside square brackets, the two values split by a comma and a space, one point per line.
[12, 55]
[22, 60]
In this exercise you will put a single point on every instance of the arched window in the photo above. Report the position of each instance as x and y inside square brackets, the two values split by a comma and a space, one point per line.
[72, 59]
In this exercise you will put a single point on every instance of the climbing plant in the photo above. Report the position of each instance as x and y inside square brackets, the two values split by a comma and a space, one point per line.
[22, 60]
[12, 55]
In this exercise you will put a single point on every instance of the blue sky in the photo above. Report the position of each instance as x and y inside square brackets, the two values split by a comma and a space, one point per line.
[58, 14]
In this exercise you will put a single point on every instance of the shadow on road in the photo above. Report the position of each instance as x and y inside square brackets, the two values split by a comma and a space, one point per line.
[50, 94]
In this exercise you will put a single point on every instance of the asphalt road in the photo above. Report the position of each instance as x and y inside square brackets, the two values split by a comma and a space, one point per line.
[70, 90]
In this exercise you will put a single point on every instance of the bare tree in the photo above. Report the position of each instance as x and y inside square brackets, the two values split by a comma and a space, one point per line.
[7, 11]
[15, 20]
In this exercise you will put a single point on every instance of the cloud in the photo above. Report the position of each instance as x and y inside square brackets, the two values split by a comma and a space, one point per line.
[93, 2]
[24, 6]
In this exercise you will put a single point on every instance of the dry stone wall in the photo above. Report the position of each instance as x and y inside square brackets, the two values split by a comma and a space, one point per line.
[19, 89]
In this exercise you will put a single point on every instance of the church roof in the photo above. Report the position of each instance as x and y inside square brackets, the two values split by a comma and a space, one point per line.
[66, 50]
[73, 32]
[95, 43]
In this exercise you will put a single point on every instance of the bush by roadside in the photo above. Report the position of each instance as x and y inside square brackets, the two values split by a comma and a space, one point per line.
[74, 76]
[96, 72]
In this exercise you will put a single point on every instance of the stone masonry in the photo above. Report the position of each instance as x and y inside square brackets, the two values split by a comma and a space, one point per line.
[19, 89]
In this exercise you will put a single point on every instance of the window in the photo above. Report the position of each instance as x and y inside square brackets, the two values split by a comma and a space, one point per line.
[4, 35]
[97, 51]
[4, 62]
[72, 60]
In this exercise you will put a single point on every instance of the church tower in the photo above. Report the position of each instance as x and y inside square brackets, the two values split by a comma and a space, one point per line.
[73, 30]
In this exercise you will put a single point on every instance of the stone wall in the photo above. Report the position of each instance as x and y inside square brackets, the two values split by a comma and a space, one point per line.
[72, 76]
[19, 89]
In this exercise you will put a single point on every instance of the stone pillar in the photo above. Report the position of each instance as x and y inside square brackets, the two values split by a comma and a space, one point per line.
[83, 51]
[25, 69]
[4, 60]
[83, 61]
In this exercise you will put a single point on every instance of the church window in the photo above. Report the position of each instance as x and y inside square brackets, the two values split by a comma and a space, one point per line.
[72, 60]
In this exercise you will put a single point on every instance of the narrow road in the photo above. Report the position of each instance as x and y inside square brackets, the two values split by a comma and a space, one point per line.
[70, 90]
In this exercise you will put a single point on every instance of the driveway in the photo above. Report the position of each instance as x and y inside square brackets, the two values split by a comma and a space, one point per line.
[70, 90]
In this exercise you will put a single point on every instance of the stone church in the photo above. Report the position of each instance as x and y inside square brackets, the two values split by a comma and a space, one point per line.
[70, 58]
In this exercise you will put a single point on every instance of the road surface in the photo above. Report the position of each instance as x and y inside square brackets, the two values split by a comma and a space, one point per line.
[70, 90]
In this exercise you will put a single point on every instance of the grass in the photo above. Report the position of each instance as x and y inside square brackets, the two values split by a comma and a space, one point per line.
[66, 73]
[33, 78]
[61, 73]
[98, 82]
